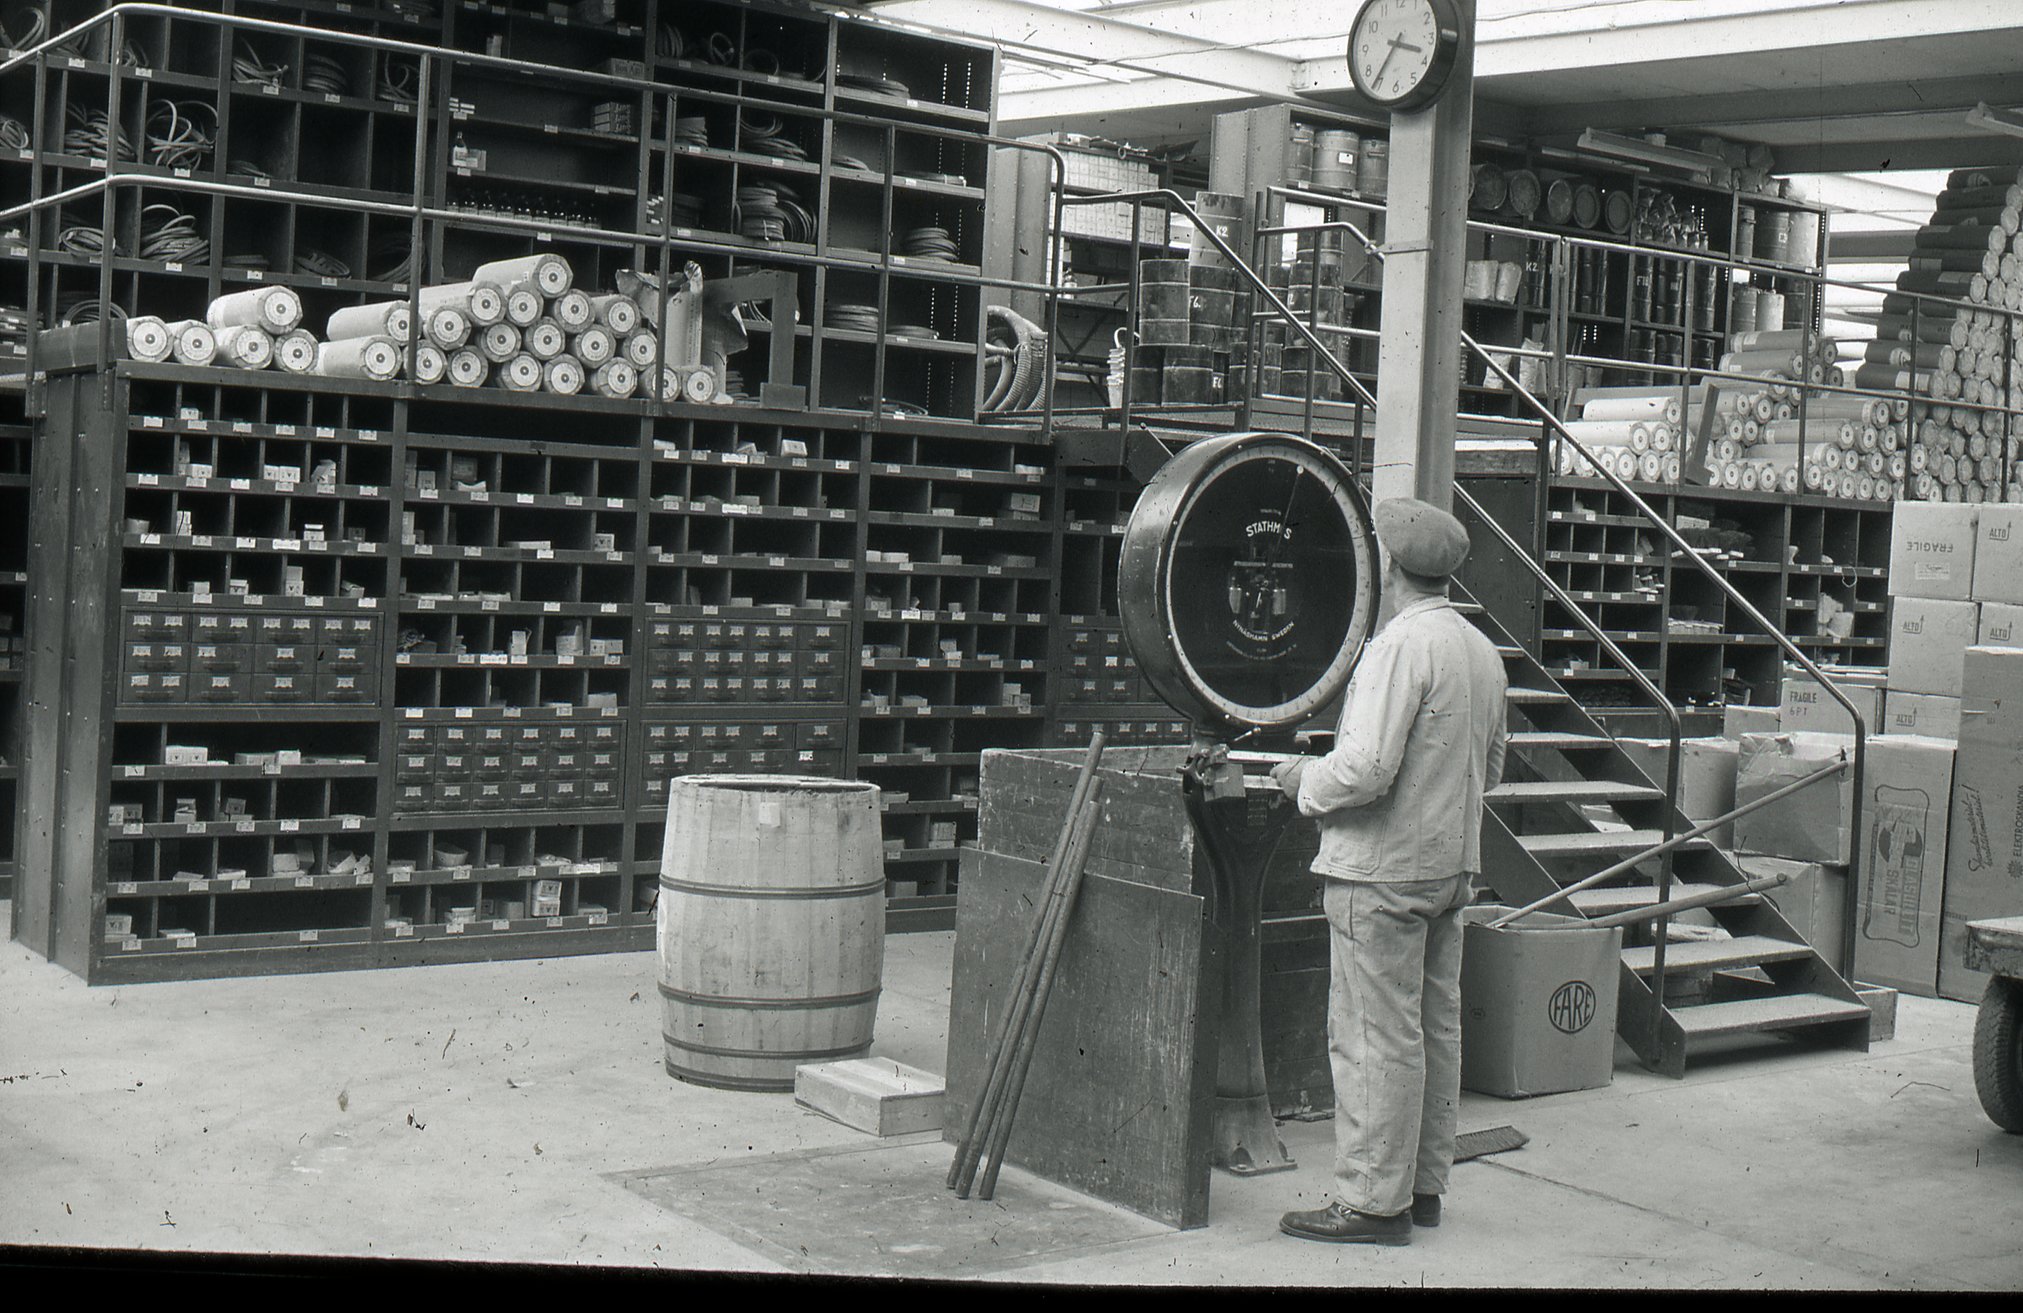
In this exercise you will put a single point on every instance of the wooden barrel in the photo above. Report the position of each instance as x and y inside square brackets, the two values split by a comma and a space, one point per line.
[771, 926]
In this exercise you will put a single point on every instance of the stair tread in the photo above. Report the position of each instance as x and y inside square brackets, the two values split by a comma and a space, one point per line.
[1467, 608]
[1623, 898]
[1516, 693]
[1743, 950]
[1573, 791]
[1779, 1012]
[1529, 738]
[1509, 653]
[1597, 841]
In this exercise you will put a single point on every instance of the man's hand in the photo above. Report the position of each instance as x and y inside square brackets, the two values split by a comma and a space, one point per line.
[1287, 776]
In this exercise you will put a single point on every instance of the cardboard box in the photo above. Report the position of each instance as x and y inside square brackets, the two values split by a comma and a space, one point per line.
[1998, 554]
[1706, 776]
[1932, 550]
[1984, 861]
[1538, 1004]
[1932, 715]
[1808, 706]
[1814, 901]
[1927, 640]
[1903, 857]
[1737, 720]
[1812, 824]
[2001, 625]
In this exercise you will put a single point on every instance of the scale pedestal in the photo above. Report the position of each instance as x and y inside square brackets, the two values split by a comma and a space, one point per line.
[1239, 825]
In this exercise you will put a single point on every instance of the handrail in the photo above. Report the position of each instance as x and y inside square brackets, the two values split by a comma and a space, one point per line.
[664, 242]
[1651, 691]
[1173, 201]
[1735, 597]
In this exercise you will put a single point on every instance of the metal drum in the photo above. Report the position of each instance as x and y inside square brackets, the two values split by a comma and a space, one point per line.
[1373, 169]
[1164, 297]
[1337, 152]
[1487, 187]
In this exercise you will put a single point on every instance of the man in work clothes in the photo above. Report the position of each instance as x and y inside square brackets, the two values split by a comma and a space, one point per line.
[1399, 799]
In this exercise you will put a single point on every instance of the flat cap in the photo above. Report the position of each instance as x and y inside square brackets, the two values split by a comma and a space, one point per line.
[1421, 538]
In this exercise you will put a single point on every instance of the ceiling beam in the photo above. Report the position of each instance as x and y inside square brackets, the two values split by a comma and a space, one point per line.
[1967, 151]
[1741, 110]
[1089, 36]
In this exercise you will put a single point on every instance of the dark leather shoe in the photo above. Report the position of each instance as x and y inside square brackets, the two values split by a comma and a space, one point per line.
[1425, 1210]
[1342, 1224]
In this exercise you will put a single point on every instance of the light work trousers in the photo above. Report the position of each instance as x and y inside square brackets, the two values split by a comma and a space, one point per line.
[1394, 1037]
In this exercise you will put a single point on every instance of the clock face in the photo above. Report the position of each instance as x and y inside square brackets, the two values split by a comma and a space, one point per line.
[1248, 581]
[1401, 50]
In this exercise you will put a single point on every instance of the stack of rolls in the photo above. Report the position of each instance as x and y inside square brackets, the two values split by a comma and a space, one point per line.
[519, 324]
[1961, 362]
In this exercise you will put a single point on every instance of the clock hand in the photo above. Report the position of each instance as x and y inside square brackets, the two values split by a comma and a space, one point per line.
[1378, 76]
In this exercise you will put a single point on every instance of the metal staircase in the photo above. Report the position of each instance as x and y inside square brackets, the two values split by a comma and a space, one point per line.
[1572, 801]
[1573, 804]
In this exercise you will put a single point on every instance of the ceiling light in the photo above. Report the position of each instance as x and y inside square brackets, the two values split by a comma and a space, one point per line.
[1995, 120]
[1617, 146]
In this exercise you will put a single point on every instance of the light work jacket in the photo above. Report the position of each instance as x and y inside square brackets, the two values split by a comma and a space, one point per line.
[1422, 734]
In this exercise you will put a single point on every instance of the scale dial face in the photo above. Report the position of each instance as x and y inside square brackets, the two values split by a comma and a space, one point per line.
[1248, 580]
[1401, 52]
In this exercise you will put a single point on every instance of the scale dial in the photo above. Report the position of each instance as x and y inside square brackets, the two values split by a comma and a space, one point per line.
[1401, 52]
[1248, 581]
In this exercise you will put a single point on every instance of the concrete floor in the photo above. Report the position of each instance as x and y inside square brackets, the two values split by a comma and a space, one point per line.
[510, 1112]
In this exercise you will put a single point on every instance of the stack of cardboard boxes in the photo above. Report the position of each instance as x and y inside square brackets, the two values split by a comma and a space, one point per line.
[1941, 829]
[1942, 808]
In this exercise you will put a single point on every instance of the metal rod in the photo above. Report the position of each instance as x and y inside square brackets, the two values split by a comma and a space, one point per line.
[1076, 859]
[1704, 827]
[971, 1146]
[1726, 894]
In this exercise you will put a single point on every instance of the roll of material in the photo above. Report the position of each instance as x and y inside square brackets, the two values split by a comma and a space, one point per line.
[379, 319]
[270, 309]
[481, 303]
[642, 350]
[1888, 378]
[593, 346]
[546, 275]
[447, 327]
[245, 346]
[670, 383]
[1607, 432]
[520, 374]
[498, 342]
[296, 352]
[698, 385]
[1559, 201]
[1763, 361]
[523, 306]
[616, 312]
[563, 376]
[544, 340]
[466, 369]
[615, 378]
[376, 358]
[427, 363]
[1660, 407]
[1817, 433]
[1797, 340]
[192, 342]
[572, 310]
[149, 339]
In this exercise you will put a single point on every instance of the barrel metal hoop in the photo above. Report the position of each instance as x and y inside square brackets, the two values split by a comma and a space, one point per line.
[770, 1055]
[795, 891]
[780, 1004]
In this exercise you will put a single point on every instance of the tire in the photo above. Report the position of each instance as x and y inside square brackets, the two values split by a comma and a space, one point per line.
[1998, 1053]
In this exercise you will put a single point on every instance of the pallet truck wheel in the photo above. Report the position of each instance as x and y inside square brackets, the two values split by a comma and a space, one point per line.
[1998, 1053]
